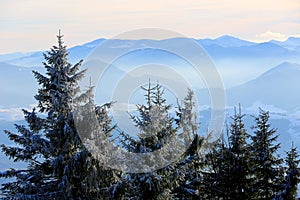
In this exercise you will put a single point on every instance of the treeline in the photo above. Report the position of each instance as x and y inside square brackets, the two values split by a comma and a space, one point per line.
[242, 164]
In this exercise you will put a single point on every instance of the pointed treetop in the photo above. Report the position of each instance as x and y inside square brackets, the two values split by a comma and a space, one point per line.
[59, 35]
[60, 42]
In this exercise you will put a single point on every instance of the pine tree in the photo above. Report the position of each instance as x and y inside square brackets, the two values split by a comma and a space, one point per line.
[226, 176]
[292, 177]
[154, 122]
[239, 150]
[218, 174]
[188, 168]
[58, 164]
[156, 128]
[265, 163]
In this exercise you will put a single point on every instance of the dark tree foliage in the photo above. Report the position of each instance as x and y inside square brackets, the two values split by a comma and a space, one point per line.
[239, 149]
[292, 176]
[265, 163]
[227, 169]
[218, 174]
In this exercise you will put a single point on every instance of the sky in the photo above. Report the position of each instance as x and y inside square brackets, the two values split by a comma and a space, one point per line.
[30, 25]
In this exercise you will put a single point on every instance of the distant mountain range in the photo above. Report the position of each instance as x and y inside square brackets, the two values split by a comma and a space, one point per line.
[226, 41]
[237, 60]
[290, 43]
[252, 72]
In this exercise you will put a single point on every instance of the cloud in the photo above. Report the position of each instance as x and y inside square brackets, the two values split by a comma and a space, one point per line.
[269, 35]
[13, 114]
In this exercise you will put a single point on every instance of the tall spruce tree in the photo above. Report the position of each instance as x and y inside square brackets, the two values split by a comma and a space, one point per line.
[58, 165]
[265, 162]
[239, 150]
[226, 176]
[292, 177]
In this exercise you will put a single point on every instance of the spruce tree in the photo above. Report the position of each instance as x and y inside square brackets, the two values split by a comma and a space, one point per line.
[188, 168]
[58, 166]
[265, 162]
[218, 173]
[156, 128]
[239, 150]
[292, 177]
[226, 175]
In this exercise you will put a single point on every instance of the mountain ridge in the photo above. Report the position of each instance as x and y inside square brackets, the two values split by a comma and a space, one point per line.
[278, 86]
[224, 41]
[233, 57]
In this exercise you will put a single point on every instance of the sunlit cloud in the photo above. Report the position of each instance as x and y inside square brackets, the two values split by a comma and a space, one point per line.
[14, 114]
[269, 35]
[11, 114]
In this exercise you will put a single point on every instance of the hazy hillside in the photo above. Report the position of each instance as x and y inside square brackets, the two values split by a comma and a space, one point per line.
[17, 85]
[278, 86]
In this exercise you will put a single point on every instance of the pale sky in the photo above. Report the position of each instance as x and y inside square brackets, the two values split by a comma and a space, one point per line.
[30, 25]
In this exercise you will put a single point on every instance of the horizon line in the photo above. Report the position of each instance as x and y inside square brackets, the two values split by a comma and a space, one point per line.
[257, 41]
